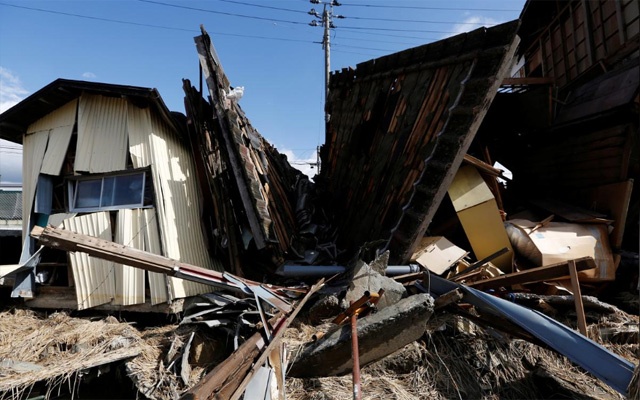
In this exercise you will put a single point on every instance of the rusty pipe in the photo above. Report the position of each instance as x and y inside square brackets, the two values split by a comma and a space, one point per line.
[357, 389]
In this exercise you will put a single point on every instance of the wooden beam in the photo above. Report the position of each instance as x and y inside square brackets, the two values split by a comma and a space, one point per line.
[528, 81]
[575, 285]
[547, 272]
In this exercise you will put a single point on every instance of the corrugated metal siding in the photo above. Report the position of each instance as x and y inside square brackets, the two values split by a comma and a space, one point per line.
[139, 129]
[42, 154]
[130, 231]
[180, 225]
[60, 132]
[154, 143]
[158, 289]
[34, 146]
[102, 134]
[94, 278]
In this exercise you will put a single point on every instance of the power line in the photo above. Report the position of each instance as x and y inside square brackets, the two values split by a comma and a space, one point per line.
[222, 12]
[98, 18]
[154, 26]
[428, 8]
[416, 21]
[392, 30]
[262, 6]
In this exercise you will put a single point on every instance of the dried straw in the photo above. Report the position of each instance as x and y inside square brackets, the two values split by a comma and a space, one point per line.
[55, 349]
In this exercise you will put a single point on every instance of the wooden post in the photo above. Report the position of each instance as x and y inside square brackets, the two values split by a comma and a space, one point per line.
[575, 285]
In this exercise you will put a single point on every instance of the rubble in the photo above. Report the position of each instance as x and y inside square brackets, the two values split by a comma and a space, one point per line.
[505, 281]
[379, 335]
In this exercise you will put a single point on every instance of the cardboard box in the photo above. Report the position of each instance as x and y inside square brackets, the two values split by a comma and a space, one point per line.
[437, 254]
[479, 215]
[558, 241]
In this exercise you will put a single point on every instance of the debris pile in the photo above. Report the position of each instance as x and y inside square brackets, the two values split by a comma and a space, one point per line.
[412, 266]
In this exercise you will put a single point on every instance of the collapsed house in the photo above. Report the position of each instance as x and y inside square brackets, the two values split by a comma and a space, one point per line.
[407, 177]
[110, 161]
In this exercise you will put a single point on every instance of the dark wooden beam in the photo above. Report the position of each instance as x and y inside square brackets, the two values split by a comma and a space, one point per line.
[547, 272]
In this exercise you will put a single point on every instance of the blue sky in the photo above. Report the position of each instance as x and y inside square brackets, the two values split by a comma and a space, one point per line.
[265, 46]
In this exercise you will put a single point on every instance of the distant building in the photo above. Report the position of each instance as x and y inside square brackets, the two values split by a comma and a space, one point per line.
[10, 223]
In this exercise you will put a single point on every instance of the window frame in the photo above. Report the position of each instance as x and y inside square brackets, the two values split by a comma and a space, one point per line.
[72, 191]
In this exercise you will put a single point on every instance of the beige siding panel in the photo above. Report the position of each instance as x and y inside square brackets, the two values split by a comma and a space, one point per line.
[102, 134]
[180, 225]
[61, 128]
[130, 231]
[139, 129]
[34, 146]
[157, 282]
[62, 116]
[94, 278]
[152, 142]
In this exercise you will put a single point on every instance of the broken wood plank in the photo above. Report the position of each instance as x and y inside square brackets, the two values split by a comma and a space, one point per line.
[448, 298]
[547, 272]
[575, 285]
[278, 331]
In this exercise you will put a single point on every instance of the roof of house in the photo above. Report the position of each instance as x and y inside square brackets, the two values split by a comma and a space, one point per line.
[14, 121]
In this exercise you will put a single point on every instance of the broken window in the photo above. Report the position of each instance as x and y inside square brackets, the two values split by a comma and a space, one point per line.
[109, 192]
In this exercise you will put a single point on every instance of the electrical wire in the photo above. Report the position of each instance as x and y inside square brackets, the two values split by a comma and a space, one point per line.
[262, 6]
[415, 21]
[98, 18]
[427, 8]
[223, 12]
[390, 29]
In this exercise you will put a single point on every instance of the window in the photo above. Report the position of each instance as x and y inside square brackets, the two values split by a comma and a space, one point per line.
[109, 192]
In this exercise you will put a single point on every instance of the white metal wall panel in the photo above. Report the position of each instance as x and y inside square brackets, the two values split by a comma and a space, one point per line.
[157, 282]
[62, 122]
[139, 128]
[153, 142]
[130, 231]
[34, 146]
[94, 278]
[183, 234]
[102, 134]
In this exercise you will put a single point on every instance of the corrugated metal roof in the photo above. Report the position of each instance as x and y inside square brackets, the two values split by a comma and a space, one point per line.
[14, 121]
[11, 205]
[94, 278]
[102, 134]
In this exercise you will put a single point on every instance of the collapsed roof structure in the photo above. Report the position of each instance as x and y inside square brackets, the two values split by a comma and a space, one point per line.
[397, 143]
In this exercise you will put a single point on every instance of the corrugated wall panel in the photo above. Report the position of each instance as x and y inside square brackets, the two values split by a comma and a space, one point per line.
[94, 278]
[157, 282]
[183, 239]
[59, 137]
[102, 134]
[34, 146]
[154, 143]
[130, 231]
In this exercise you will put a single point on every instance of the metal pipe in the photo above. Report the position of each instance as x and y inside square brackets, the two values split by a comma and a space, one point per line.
[357, 392]
[393, 270]
[309, 270]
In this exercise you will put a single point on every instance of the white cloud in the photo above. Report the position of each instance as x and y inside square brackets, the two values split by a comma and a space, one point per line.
[11, 90]
[305, 165]
[471, 23]
[89, 75]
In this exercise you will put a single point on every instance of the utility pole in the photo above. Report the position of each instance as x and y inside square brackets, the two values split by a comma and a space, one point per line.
[326, 21]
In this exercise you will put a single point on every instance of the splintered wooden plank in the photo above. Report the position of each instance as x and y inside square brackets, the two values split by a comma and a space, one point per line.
[533, 275]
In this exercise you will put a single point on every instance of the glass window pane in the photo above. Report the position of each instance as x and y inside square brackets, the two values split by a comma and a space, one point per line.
[128, 190]
[107, 191]
[88, 193]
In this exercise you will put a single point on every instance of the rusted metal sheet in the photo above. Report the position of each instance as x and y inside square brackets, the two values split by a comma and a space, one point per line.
[399, 128]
